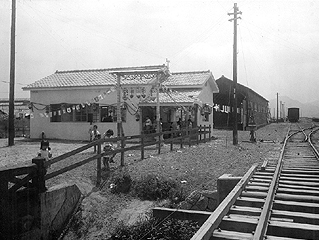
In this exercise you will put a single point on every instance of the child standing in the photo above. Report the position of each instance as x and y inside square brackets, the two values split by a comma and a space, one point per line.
[45, 150]
[95, 135]
[108, 148]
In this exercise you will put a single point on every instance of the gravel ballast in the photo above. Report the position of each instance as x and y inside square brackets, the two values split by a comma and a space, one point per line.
[198, 165]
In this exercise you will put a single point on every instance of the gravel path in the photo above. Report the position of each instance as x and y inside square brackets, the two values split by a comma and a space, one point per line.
[199, 165]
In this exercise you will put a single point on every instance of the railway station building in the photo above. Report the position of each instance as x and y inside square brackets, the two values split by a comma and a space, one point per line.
[252, 108]
[66, 104]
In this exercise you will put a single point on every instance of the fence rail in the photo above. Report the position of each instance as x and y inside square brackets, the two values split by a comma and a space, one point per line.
[37, 174]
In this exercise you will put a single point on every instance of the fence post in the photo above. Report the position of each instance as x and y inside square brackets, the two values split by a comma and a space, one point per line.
[210, 132]
[159, 144]
[205, 133]
[142, 147]
[3, 185]
[172, 139]
[200, 133]
[122, 152]
[39, 180]
[197, 137]
[98, 165]
[181, 136]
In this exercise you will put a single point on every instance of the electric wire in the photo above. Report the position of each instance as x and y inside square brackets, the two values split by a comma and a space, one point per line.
[258, 31]
[100, 35]
[53, 35]
[241, 40]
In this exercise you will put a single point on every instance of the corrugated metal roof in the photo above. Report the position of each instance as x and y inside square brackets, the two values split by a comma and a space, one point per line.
[102, 77]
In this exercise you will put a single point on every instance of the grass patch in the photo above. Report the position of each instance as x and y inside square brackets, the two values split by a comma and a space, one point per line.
[153, 229]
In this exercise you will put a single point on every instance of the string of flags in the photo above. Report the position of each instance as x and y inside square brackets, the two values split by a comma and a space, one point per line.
[128, 93]
[69, 109]
[204, 108]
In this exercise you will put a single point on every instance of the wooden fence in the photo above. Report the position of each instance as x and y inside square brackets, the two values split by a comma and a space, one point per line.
[35, 174]
[20, 186]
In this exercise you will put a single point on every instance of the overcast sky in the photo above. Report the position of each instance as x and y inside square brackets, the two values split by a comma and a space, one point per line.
[278, 41]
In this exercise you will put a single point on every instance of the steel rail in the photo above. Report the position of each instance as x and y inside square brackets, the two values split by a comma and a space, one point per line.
[311, 144]
[262, 225]
[264, 216]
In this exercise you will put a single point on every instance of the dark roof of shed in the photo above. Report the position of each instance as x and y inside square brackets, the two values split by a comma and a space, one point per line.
[241, 89]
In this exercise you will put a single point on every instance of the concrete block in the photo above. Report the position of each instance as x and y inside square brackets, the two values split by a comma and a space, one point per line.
[57, 206]
[202, 203]
[225, 184]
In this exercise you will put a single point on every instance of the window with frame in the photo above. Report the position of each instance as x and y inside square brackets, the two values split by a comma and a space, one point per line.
[109, 114]
[64, 112]
[81, 113]
[56, 112]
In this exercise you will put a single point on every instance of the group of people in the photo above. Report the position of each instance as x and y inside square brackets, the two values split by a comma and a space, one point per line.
[108, 147]
[150, 127]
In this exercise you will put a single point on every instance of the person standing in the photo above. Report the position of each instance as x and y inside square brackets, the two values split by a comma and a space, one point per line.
[108, 148]
[148, 125]
[95, 135]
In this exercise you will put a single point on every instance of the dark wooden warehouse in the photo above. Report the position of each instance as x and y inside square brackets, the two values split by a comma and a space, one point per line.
[252, 108]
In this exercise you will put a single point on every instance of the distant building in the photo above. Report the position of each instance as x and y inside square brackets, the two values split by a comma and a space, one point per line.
[67, 103]
[21, 112]
[3, 115]
[21, 106]
[252, 108]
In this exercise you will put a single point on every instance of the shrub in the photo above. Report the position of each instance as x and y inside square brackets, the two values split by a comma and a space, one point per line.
[122, 183]
[152, 229]
[152, 187]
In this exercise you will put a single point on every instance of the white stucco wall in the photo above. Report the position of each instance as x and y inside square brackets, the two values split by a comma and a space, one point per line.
[80, 130]
[206, 96]
[74, 130]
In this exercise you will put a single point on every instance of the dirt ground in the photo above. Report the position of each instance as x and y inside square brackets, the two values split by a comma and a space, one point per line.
[198, 165]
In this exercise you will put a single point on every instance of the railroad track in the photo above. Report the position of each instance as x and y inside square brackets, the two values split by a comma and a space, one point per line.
[276, 201]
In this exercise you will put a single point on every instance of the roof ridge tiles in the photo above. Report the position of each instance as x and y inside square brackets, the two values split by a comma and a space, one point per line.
[203, 71]
[83, 70]
[109, 69]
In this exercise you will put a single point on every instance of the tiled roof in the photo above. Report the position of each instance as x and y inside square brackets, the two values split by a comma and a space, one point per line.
[188, 78]
[174, 97]
[102, 77]
[77, 78]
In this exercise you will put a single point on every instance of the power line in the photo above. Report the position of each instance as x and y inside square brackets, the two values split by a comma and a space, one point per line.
[59, 41]
[292, 46]
[241, 40]
[99, 34]
[15, 83]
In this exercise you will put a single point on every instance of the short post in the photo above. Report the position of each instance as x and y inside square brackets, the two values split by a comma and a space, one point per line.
[98, 165]
[190, 137]
[200, 133]
[197, 138]
[182, 136]
[39, 180]
[142, 147]
[122, 150]
[210, 131]
[205, 133]
[172, 139]
[3, 184]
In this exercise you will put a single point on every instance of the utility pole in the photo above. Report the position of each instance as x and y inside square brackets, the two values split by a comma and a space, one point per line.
[12, 77]
[158, 112]
[235, 127]
[118, 106]
[277, 107]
